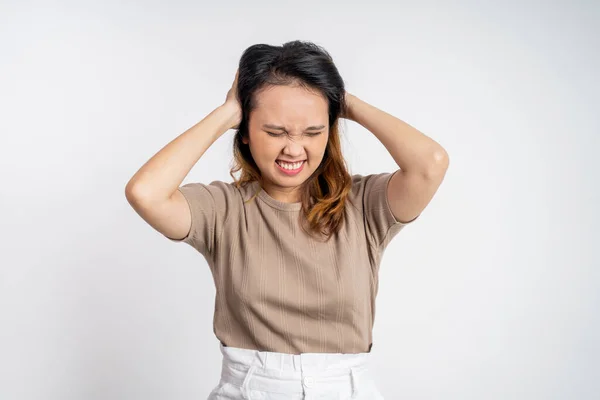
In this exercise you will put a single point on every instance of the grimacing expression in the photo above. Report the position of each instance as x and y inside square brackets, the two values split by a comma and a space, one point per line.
[288, 133]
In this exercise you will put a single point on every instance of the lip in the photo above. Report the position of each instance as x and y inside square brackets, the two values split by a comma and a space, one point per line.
[291, 162]
[291, 172]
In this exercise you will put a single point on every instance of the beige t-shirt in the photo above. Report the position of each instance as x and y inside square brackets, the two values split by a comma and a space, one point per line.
[278, 289]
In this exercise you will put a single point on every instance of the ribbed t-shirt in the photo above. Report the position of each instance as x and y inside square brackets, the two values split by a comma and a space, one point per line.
[279, 289]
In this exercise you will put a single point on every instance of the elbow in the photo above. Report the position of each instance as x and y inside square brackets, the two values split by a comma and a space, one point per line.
[441, 160]
[138, 194]
[134, 193]
[437, 165]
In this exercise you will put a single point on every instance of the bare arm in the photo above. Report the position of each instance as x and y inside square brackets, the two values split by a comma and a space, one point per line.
[162, 174]
[422, 161]
[152, 191]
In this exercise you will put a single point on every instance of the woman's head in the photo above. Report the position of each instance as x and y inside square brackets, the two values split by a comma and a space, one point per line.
[287, 136]
[292, 97]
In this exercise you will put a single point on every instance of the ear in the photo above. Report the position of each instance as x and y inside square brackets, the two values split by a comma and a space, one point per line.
[245, 140]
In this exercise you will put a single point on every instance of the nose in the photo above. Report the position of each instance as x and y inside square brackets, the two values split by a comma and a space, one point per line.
[293, 148]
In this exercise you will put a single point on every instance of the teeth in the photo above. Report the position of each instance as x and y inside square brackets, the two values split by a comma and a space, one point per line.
[289, 165]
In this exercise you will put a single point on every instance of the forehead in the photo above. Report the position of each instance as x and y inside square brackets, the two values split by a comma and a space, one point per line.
[290, 106]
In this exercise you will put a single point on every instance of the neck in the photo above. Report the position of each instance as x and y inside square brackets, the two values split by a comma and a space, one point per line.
[285, 195]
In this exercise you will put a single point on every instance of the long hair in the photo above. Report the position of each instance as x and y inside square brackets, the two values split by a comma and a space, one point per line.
[325, 192]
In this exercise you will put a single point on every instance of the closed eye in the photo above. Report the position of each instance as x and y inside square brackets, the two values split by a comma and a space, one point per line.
[281, 134]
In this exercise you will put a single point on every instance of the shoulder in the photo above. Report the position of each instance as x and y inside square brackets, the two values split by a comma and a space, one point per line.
[368, 185]
[369, 194]
[223, 195]
[219, 187]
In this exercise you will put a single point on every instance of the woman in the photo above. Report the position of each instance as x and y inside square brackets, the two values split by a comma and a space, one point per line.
[294, 244]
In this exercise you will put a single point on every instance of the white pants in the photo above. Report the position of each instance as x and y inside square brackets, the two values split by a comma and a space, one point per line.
[252, 374]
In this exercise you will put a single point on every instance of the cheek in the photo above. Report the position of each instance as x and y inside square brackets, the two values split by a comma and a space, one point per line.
[318, 150]
[263, 151]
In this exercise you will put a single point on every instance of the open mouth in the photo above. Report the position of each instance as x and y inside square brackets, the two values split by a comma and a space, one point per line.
[290, 168]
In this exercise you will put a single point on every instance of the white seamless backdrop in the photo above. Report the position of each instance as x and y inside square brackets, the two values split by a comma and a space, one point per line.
[493, 294]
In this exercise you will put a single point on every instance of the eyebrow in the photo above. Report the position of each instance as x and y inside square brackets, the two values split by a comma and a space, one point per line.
[281, 128]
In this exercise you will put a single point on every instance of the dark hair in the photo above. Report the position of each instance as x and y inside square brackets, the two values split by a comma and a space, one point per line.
[308, 65]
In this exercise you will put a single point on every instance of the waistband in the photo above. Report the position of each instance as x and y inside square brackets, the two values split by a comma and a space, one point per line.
[291, 373]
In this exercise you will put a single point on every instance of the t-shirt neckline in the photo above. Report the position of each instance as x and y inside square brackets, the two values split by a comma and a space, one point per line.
[281, 205]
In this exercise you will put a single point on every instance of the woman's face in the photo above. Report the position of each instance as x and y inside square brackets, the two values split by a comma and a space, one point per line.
[288, 133]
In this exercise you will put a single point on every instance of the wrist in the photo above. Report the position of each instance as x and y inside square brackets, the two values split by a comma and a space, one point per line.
[350, 102]
[231, 113]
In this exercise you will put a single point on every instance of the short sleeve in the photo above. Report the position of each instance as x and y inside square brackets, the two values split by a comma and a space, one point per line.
[210, 206]
[380, 224]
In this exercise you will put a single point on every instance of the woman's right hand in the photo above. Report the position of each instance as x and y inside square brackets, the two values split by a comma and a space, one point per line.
[232, 102]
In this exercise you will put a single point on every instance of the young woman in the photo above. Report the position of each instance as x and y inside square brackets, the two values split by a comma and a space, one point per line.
[295, 242]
